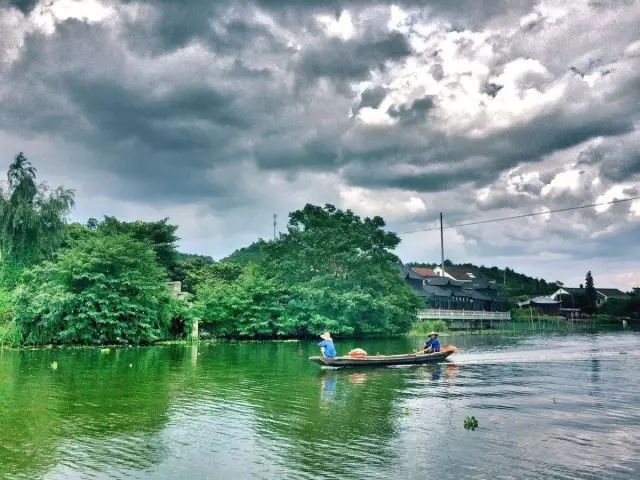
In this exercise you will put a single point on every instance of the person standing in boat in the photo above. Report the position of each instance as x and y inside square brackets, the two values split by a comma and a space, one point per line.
[327, 347]
[432, 344]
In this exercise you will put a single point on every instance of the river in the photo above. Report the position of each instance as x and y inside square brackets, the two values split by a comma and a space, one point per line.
[548, 405]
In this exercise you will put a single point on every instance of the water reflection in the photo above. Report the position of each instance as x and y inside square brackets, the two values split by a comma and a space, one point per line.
[328, 387]
[261, 409]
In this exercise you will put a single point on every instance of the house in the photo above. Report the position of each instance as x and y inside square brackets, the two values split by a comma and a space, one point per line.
[572, 297]
[424, 272]
[447, 293]
[415, 280]
[461, 274]
[608, 293]
[543, 304]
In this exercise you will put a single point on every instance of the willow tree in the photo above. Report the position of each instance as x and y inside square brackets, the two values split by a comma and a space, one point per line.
[32, 216]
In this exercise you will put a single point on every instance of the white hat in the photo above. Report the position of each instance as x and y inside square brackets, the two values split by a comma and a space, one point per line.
[326, 336]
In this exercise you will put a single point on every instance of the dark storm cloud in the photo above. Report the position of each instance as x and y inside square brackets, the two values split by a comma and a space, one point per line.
[181, 103]
[372, 97]
[25, 6]
[414, 113]
[352, 59]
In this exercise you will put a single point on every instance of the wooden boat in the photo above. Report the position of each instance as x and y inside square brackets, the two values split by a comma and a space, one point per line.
[384, 360]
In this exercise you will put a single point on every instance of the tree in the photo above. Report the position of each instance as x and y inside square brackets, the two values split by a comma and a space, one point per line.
[104, 289]
[340, 274]
[160, 234]
[250, 254]
[32, 217]
[590, 293]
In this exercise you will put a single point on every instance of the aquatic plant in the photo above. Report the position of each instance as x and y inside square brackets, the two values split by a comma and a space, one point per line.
[470, 423]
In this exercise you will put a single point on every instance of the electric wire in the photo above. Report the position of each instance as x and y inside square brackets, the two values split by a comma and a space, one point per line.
[524, 215]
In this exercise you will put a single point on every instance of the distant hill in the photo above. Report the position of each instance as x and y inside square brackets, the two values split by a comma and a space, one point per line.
[249, 254]
[512, 284]
[206, 259]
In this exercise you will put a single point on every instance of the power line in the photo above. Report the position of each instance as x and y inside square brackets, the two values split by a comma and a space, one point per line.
[534, 214]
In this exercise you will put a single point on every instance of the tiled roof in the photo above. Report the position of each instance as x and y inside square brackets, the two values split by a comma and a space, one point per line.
[611, 292]
[545, 299]
[464, 273]
[442, 281]
[405, 272]
[425, 272]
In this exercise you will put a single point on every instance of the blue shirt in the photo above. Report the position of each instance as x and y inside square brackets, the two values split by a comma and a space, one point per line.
[329, 348]
[434, 343]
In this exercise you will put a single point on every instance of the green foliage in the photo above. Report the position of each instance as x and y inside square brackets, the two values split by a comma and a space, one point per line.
[9, 331]
[622, 307]
[195, 273]
[104, 289]
[423, 327]
[526, 315]
[590, 293]
[182, 315]
[250, 305]
[160, 235]
[470, 423]
[330, 271]
[249, 254]
[32, 217]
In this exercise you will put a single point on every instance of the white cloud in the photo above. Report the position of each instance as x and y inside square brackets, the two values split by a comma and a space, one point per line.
[569, 180]
[48, 12]
[392, 205]
[340, 27]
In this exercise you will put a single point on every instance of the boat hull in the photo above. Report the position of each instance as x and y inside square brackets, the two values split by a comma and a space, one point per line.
[383, 360]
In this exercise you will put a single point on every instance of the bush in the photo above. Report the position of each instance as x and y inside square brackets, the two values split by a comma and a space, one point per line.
[423, 327]
[104, 289]
[9, 332]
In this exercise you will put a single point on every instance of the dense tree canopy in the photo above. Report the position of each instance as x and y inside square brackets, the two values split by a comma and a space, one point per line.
[331, 270]
[104, 289]
[160, 234]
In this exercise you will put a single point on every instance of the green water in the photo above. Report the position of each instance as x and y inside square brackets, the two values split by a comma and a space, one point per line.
[549, 405]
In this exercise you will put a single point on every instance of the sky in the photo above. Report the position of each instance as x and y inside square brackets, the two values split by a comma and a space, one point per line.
[220, 114]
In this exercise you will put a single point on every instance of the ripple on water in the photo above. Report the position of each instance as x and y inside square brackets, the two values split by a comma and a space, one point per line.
[241, 411]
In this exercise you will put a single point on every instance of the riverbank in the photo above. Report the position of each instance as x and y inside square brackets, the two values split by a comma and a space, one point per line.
[508, 328]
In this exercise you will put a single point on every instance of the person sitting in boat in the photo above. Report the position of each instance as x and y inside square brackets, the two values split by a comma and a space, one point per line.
[432, 344]
[327, 347]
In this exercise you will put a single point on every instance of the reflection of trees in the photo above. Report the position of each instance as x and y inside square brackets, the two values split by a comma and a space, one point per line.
[97, 411]
[94, 406]
[317, 411]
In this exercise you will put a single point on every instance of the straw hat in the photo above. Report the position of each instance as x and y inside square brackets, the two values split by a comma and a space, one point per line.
[326, 336]
[432, 333]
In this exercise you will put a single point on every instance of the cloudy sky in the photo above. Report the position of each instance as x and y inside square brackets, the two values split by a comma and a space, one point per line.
[219, 114]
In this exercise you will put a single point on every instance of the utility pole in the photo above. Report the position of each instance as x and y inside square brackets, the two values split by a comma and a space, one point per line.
[275, 223]
[441, 248]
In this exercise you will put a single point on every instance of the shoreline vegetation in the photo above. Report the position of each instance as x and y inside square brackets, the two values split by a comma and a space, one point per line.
[107, 282]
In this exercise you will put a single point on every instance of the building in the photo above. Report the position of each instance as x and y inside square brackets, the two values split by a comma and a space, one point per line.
[447, 293]
[424, 272]
[461, 274]
[572, 297]
[543, 304]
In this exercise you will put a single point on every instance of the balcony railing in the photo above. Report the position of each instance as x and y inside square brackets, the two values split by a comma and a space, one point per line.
[443, 314]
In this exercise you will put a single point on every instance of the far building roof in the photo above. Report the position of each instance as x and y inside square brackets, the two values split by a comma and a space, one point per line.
[424, 271]
[603, 292]
[611, 292]
[542, 300]
[407, 273]
[463, 274]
